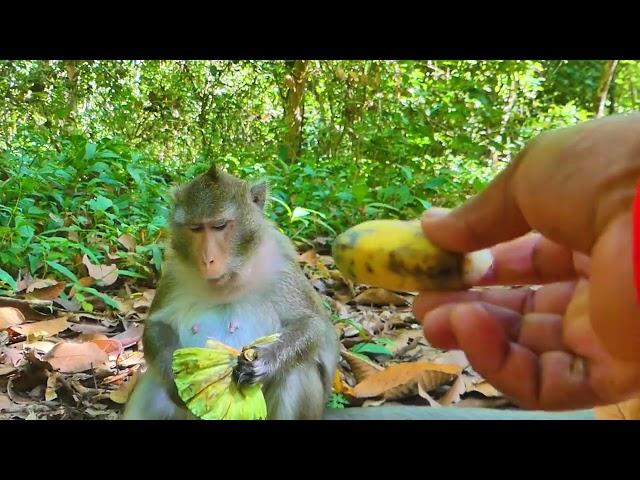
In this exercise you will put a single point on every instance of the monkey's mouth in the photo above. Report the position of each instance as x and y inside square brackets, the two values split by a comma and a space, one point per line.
[224, 278]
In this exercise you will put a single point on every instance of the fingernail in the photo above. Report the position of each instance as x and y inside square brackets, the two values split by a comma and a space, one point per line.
[435, 212]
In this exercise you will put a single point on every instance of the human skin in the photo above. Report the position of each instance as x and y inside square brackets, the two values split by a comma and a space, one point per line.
[559, 215]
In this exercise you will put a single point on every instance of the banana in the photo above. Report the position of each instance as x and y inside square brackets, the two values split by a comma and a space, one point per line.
[395, 254]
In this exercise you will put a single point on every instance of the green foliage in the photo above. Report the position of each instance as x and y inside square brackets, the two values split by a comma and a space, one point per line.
[89, 150]
[337, 400]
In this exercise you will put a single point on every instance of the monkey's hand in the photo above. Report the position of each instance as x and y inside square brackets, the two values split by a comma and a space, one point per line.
[255, 364]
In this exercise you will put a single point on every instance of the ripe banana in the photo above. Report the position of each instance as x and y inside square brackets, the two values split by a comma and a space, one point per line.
[395, 254]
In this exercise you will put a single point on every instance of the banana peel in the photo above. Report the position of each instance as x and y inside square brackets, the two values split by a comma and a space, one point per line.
[395, 254]
[205, 383]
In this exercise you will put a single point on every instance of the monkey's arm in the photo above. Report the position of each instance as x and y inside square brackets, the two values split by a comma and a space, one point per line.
[306, 334]
[449, 413]
[160, 340]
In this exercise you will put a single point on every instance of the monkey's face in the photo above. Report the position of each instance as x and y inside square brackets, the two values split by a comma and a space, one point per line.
[215, 226]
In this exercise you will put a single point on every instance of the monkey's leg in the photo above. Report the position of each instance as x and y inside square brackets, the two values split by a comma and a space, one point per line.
[299, 395]
[150, 401]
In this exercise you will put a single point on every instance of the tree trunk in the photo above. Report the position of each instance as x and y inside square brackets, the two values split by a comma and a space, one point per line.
[608, 72]
[293, 112]
[71, 67]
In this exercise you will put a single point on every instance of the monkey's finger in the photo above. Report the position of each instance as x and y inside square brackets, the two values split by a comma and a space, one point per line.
[552, 380]
[539, 332]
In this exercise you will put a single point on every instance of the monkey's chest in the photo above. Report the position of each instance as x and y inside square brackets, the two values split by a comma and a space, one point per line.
[236, 326]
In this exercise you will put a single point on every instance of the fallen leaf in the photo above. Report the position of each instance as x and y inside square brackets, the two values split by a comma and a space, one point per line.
[453, 357]
[454, 393]
[26, 307]
[130, 336]
[69, 357]
[42, 283]
[127, 241]
[106, 274]
[89, 328]
[89, 337]
[379, 297]
[69, 305]
[9, 317]
[48, 327]
[47, 293]
[14, 355]
[121, 394]
[110, 346]
[129, 359]
[424, 394]
[360, 367]
[310, 257]
[41, 346]
[5, 402]
[404, 340]
[144, 302]
[485, 389]
[627, 410]
[52, 385]
[6, 369]
[401, 380]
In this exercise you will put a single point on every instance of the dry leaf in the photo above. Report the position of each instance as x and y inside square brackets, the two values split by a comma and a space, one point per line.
[628, 410]
[5, 402]
[121, 394]
[379, 297]
[401, 380]
[13, 355]
[129, 359]
[485, 389]
[144, 302]
[42, 283]
[453, 357]
[40, 346]
[48, 292]
[404, 340]
[89, 328]
[69, 357]
[106, 274]
[310, 257]
[9, 317]
[432, 401]
[339, 385]
[454, 393]
[52, 384]
[26, 307]
[130, 336]
[127, 241]
[110, 346]
[46, 327]
[360, 367]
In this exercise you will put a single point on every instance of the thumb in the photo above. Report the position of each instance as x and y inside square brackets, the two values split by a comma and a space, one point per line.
[492, 216]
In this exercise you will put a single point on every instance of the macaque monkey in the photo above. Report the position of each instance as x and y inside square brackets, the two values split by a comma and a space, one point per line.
[230, 275]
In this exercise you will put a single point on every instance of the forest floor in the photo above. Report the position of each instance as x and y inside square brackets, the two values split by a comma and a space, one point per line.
[58, 362]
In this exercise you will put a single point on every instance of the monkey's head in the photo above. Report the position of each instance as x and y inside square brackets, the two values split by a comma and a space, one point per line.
[216, 224]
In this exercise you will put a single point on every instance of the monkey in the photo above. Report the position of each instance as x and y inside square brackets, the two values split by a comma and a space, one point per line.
[229, 274]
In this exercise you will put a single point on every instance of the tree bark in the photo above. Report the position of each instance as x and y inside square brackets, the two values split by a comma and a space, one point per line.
[293, 112]
[608, 72]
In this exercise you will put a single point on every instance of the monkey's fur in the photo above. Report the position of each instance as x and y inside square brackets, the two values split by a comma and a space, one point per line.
[258, 291]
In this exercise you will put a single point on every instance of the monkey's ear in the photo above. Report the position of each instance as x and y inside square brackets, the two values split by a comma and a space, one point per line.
[259, 193]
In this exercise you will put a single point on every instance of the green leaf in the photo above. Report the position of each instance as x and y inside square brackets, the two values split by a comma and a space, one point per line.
[128, 273]
[89, 151]
[63, 270]
[100, 204]
[135, 174]
[8, 279]
[105, 298]
[372, 348]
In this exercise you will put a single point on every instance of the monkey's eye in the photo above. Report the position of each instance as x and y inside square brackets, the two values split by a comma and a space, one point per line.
[220, 226]
[195, 228]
